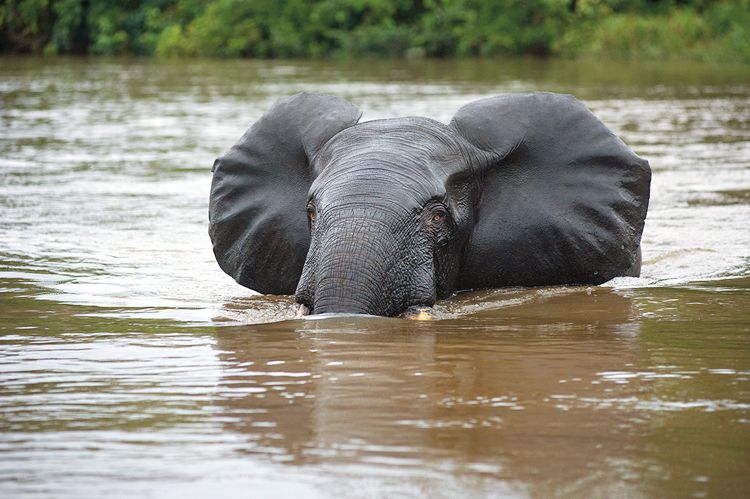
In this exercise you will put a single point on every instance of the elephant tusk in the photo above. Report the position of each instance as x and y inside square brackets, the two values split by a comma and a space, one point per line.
[302, 310]
[419, 314]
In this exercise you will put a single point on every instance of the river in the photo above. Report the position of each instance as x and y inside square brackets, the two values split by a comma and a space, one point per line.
[130, 365]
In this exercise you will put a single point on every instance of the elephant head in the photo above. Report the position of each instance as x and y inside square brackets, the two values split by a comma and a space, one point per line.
[375, 217]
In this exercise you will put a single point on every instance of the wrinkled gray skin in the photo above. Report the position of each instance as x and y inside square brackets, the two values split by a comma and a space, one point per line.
[373, 218]
[391, 215]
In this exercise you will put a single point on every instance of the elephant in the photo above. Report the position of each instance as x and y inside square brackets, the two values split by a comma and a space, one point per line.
[383, 216]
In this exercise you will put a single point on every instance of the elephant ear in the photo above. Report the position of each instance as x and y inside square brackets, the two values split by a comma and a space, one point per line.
[563, 199]
[257, 216]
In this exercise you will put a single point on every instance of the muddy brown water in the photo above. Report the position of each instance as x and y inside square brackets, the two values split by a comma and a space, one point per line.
[131, 366]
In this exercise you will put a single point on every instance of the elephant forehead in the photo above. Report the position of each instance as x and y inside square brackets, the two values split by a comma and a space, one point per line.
[377, 183]
[414, 145]
[403, 161]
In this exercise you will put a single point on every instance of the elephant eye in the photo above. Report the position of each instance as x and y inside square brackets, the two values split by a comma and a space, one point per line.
[311, 214]
[439, 214]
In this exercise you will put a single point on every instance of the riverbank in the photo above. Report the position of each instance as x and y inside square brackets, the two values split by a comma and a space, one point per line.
[694, 30]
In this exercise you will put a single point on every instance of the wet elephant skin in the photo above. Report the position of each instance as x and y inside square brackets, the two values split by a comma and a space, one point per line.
[380, 216]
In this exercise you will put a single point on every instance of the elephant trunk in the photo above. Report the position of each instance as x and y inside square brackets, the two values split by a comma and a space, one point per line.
[351, 285]
[364, 268]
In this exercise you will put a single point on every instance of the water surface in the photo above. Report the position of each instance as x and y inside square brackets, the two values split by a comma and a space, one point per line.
[132, 366]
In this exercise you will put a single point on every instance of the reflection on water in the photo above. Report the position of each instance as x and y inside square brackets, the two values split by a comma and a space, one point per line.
[132, 366]
[577, 392]
[385, 392]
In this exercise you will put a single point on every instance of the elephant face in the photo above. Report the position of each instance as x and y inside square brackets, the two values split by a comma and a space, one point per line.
[390, 211]
[518, 190]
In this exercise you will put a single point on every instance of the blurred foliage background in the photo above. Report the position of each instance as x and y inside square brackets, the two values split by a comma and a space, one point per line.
[717, 30]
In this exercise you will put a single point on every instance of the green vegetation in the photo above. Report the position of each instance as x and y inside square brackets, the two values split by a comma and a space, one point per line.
[647, 29]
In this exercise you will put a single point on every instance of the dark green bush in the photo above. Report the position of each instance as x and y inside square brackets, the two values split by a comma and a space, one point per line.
[653, 29]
